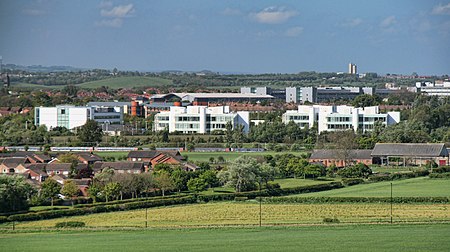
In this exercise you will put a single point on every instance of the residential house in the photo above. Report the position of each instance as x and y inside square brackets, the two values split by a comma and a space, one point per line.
[88, 157]
[9, 165]
[120, 167]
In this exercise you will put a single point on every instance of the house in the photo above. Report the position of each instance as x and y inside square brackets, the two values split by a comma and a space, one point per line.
[88, 157]
[36, 173]
[83, 185]
[336, 157]
[156, 157]
[62, 168]
[9, 165]
[120, 167]
[410, 154]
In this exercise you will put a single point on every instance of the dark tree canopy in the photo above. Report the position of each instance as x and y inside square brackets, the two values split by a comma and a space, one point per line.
[90, 133]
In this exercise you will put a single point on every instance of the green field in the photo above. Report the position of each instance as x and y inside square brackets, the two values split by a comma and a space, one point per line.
[295, 182]
[127, 82]
[115, 83]
[315, 238]
[415, 187]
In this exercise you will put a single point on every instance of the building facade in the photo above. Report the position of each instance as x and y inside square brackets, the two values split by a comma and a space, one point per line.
[323, 94]
[334, 118]
[72, 117]
[200, 119]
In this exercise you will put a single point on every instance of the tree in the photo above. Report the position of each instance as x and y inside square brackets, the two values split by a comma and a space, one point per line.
[359, 170]
[314, 170]
[197, 184]
[70, 189]
[90, 133]
[14, 192]
[50, 189]
[345, 142]
[210, 177]
[366, 100]
[180, 178]
[242, 174]
[112, 190]
[164, 182]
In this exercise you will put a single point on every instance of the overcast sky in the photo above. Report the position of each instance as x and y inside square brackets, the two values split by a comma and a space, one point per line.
[383, 36]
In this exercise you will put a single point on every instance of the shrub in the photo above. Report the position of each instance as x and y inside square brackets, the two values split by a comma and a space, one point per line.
[442, 169]
[240, 198]
[331, 220]
[352, 181]
[440, 175]
[3, 219]
[70, 224]
[355, 171]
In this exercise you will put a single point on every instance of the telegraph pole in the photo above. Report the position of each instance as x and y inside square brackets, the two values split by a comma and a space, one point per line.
[391, 202]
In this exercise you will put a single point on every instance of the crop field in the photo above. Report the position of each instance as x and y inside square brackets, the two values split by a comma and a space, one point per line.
[247, 213]
[311, 238]
[415, 187]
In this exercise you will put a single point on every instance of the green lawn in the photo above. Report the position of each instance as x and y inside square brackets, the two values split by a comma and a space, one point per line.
[415, 187]
[295, 182]
[316, 238]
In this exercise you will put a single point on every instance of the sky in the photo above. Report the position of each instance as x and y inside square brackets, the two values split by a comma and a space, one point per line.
[382, 36]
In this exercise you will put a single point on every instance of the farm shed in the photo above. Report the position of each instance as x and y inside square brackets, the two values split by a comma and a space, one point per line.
[410, 153]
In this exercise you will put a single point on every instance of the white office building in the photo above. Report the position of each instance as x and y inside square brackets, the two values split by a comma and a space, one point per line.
[200, 119]
[333, 118]
[72, 117]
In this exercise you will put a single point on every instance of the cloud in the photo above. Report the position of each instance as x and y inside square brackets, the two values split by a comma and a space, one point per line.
[231, 12]
[114, 15]
[388, 24]
[34, 12]
[352, 23]
[273, 15]
[294, 31]
[114, 23]
[119, 11]
[441, 9]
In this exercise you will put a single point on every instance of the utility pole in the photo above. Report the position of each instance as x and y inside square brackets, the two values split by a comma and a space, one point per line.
[260, 204]
[146, 217]
[391, 202]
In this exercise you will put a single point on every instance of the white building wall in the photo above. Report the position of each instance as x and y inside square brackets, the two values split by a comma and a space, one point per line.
[203, 113]
[320, 114]
[47, 117]
[77, 116]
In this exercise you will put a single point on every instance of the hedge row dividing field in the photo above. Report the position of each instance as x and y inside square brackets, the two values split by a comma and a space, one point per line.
[247, 213]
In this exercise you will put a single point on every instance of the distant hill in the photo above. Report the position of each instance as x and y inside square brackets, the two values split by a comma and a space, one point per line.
[39, 68]
[113, 82]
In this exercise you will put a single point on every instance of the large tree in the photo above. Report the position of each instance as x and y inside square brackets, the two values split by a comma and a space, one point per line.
[50, 189]
[14, 192]
[90, 133]
[70, 189]
[242, 174]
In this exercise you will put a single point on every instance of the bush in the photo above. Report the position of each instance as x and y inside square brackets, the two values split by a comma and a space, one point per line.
[240, 198]
[70, 224]
[331, 220]
[352, 181]
[440, 175]
[355, 171]
[321, 200]
[442, 169]
[3, 219]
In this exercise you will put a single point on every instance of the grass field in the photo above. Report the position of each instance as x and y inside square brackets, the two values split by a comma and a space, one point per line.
[115, 83]
[415, 187]
[318, 238]
[247, 213]
[295, 182]
[127, 82]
